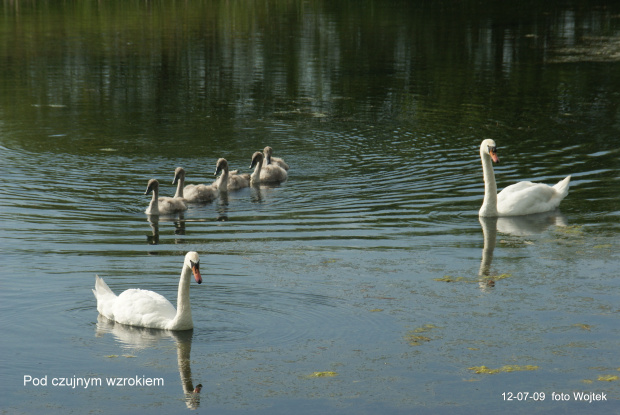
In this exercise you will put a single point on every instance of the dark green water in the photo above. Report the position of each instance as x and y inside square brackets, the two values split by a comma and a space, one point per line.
[369, 261]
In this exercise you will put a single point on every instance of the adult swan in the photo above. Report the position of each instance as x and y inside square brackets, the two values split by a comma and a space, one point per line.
[522, 198]
[142, 308]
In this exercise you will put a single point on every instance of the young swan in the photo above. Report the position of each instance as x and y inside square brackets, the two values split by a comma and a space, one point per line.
[162, 205]
[522, 198]
[274, 160]
[142, 308]
[229, 180]
[193, 193]
[265, 174]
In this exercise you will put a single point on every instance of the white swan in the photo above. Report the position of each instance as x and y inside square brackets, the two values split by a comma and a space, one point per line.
[229, 180]
[269, 173]
[522, 198]
[142, 308]
[193, 193]
[162, 205]
[274, 160]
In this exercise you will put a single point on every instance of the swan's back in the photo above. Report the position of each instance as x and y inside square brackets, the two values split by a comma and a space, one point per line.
[200, 193]
[525, 198]
[143, 308]
[272, 173]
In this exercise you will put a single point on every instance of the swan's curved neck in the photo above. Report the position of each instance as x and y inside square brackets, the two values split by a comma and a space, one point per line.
[184, 311]
[489, 204]
[255, 177]
[180, 184]
[223, 183]
[154, 205]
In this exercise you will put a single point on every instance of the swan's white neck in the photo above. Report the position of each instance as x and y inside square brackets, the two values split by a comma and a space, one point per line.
[183, 319]
[255, 177]
[489, 204]
[179, 192]
[153, 208]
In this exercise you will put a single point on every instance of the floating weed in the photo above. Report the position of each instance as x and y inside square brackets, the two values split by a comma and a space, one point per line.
[449, 278]
[574, 230]
[603, 246]
[583, 326]
[376, 310]
[112, 356]
[504, 369]
[587, 381]
[424, 328]
[327, 374]
[487, 278]
[129, 356]
[608, 378]
[415, 339]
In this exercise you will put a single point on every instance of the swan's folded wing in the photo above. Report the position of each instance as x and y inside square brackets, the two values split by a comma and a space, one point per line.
[525, 198]
[143, 308]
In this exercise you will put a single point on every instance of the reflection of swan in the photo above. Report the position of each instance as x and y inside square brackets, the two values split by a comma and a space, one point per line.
[522, 198]
[269, 173]
[136, 307]
[154, 222]
[274, 160]
[531, 224]
[139, 338]
[517, 226]
[489, 233]
[193, 193]
[162, 205]
[229, 180]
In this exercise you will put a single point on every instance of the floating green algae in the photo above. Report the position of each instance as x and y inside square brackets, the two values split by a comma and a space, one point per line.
[486, 278]
[504, 369]
[583, 326]
[607, 378]
[327, 374]
[415, 339]
[449, 278]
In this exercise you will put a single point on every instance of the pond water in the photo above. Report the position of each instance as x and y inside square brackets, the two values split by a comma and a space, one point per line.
[365, 283]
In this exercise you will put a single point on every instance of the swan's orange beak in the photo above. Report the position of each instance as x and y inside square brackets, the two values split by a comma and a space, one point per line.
[196, 272]
[493, 154]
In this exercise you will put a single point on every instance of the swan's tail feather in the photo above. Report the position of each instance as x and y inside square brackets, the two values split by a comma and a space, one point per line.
[101, 288]
[562, 187]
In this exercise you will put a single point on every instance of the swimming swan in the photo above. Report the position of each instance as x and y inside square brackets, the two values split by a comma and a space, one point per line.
[265, 174]
[274, 160]
[229, 180]
[193, 193]
[162, 205]
[522, 198]
[142, 308]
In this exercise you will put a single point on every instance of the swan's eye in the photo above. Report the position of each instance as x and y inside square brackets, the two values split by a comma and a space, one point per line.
[194, 264]
[492, 149]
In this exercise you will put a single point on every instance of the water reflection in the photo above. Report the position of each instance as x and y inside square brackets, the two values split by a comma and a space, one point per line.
[179, 227]
[516, 226]
[222, 207]
[139, 338]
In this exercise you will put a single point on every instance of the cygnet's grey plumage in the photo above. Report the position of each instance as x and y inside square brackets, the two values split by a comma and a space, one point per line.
[229, 180]
[162, 205]
[269, 173]
[193, 193]
[269, 159]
